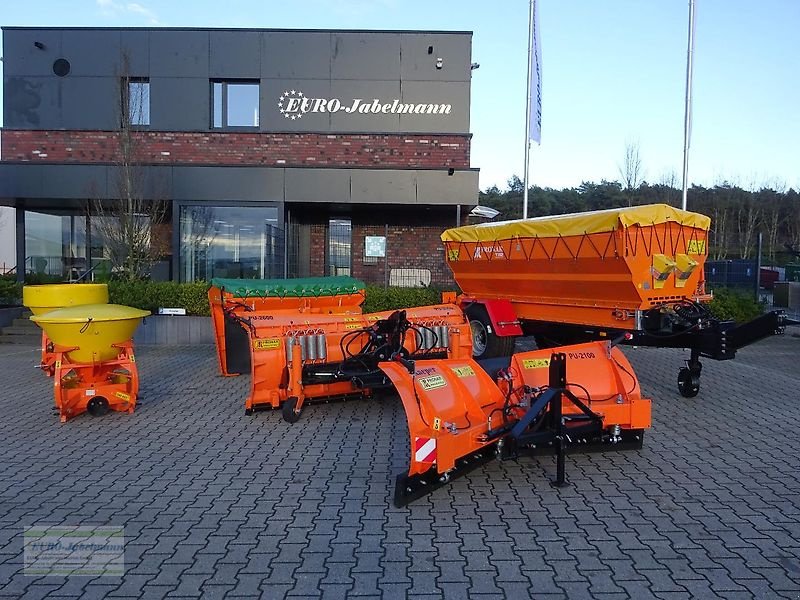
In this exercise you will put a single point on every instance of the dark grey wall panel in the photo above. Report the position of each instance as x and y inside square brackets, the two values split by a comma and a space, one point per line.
[367, 91]
[365, 56]
[317, 185]
[179, 104]
[21, 181]
[456, 94]
[32, 102]
[74, 181]
[51, 183]
[90, 103]
[437, 187]
[179, 53]
[136, 46]
[92, 53]
[21, 57]
[235, 54]
[417, 65]
[227, 183]
[296, 55]
[383, 186]
[271, 118]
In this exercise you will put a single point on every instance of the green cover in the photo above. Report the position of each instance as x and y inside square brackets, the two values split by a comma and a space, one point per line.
[293, 288]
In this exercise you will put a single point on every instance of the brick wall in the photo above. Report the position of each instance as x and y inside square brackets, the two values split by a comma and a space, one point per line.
[236, 148]
[409, 247]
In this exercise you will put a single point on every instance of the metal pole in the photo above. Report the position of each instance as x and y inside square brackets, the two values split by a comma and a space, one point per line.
[528, 111]
[758, 262]
[687, 121]
[19, 217]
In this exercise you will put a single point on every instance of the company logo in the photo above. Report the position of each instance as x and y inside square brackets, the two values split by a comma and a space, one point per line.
[293, 104]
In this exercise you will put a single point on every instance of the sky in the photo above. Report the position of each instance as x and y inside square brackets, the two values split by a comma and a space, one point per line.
[613, 75]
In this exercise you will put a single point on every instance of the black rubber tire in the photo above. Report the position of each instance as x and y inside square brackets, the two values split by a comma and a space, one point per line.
[688, 386]
[485, 344]
[288, 410]
[97, 406]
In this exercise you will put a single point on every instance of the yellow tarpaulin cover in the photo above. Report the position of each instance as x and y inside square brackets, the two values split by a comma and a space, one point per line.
[596, 221]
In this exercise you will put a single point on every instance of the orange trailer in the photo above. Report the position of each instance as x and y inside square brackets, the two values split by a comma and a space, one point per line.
[572, 278]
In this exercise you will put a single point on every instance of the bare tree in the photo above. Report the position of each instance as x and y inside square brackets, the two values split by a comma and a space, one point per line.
[771, 197]
[631, 170]
[721, 211]
[748, 220]
[667, 190]
[126, 224]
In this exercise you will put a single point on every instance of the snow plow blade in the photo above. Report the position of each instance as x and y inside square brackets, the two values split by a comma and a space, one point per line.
[462, 414]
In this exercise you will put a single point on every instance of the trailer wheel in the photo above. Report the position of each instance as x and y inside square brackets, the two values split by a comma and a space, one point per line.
[485, 343]
[688, 385]
[290, 415]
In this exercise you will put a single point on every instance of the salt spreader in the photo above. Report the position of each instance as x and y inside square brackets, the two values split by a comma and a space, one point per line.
[573, 278]
[95, 366]
[41, 299]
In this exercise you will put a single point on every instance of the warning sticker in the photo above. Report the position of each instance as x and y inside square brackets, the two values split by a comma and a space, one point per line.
[437, 424]
[696, 247]
[350, 319]
[535, 363]
[463, 371]
[123, 396]
[353, 326]
[452, 254]
[433, 382]
[267, 344]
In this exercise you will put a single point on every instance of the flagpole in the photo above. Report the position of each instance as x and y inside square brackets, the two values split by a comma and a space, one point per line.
[528, 112]
[687, 121]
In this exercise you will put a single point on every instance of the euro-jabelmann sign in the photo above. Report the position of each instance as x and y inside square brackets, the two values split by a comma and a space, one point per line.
[293, 104]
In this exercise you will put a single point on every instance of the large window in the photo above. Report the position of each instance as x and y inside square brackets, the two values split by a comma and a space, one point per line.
[237, 242]
[137, 102]
[234, 104]
[339, 241]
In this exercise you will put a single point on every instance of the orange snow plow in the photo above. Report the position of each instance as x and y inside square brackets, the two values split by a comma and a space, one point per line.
[297, 357]
[462, 414]
[233, 298]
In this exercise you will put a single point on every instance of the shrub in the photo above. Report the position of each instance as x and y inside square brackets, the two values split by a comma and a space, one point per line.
[152, 295]
[10, 292]
[732, 305]
[393, 298]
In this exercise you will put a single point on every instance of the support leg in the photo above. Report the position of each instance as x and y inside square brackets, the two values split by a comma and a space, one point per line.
[689, 376]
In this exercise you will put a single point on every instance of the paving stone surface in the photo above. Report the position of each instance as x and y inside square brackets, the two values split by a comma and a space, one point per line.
[216, 504]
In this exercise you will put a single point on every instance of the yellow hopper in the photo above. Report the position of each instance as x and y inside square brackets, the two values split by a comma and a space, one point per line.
[44, 298]
[92, 329]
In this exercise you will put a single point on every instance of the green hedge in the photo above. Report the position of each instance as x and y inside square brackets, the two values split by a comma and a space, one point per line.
[732, 305]
[10, 292]
[393, 298]
[152, 295]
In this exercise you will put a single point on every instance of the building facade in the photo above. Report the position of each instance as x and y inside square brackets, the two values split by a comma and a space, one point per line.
[274, 152]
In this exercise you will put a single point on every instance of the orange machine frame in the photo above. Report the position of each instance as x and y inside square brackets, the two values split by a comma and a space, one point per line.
[224, 304]
[96, 386]
[280, 349]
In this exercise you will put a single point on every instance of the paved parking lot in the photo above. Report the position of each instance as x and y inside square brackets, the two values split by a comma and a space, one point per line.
[217, 504]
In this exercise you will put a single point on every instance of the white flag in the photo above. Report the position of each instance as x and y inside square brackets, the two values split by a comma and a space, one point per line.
[535, 78]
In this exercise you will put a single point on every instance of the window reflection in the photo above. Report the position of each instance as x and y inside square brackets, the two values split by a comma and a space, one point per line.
[231, 242]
